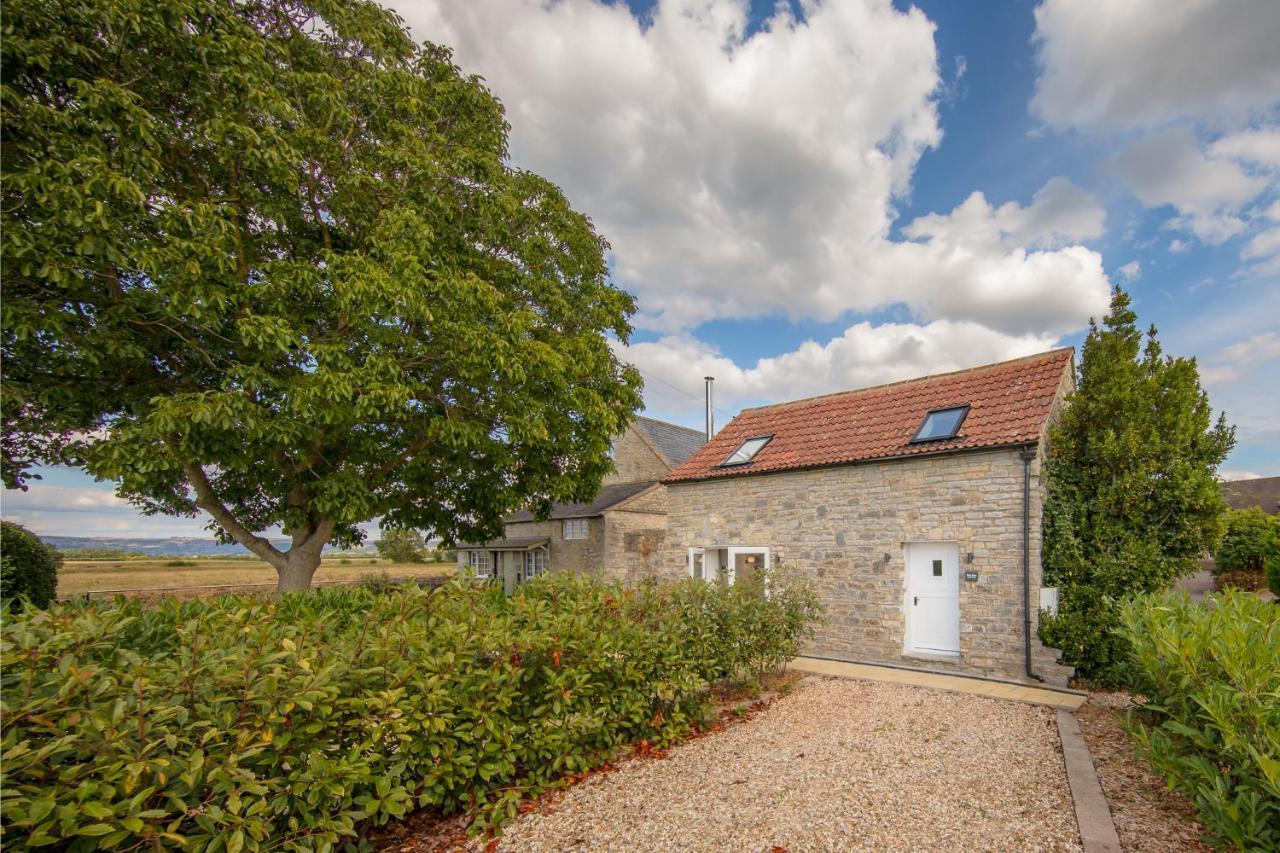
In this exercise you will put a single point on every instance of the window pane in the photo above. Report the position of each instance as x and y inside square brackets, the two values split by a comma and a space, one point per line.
[747, 451]
[944, 424]
[697, 565]
[937, 568]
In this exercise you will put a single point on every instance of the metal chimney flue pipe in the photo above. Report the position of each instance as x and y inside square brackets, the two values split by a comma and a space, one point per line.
[711, 418]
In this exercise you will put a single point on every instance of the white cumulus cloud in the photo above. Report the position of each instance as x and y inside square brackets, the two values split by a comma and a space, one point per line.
[742, 174]
[1259, 146]
[1145, 63]
[864, 355]
[1169, 168]
[1199, 83]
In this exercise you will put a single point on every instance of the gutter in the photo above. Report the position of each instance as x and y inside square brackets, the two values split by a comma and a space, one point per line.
[1028, 455]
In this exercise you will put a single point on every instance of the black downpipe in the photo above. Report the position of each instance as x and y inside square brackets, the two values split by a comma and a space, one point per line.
[1028, 454]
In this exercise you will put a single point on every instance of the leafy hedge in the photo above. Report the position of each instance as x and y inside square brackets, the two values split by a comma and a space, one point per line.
[28, 568]
[1211, 725]
[250, 722]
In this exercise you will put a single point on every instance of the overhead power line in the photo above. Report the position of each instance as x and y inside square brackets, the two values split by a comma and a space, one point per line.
[697, 397]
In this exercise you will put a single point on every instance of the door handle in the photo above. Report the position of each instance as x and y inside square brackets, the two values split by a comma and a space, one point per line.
[915, 600]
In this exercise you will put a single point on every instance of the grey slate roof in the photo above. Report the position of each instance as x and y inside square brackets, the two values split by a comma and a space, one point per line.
[608, 497]
[1261, 492]
[676, 443]
[515, 543]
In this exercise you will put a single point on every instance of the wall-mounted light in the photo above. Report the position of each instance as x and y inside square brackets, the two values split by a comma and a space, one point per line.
[968, 558]
[887, 558]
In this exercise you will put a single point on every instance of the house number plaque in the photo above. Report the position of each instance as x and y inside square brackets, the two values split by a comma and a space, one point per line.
[971, 576]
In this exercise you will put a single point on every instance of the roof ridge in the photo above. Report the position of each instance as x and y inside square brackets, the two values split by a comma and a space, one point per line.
[668, 424]
[928, 377]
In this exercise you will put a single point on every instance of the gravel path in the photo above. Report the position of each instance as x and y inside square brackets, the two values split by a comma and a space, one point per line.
[837, 765]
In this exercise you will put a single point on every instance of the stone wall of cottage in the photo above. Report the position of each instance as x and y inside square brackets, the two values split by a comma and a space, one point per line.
[574, 555]
[634, 460]
[837, 524]
[634, 545]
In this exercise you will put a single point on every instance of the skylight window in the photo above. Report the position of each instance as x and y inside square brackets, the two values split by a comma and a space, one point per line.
[941, 424]
[748, 450]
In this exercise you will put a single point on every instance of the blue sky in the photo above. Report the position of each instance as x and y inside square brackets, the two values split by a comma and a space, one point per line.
[809, 197]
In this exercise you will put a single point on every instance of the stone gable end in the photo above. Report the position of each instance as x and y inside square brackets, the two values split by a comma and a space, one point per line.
[634, 459]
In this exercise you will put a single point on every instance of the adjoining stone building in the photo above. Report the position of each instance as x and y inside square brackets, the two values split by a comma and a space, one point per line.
[620, 534]
[915, 507]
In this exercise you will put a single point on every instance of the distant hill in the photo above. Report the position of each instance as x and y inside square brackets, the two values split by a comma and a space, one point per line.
[178, 546]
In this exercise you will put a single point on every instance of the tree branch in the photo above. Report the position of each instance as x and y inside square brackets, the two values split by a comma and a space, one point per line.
[208, 501]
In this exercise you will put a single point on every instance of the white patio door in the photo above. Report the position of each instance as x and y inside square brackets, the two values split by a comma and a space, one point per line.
[724, 565]
[933, 597]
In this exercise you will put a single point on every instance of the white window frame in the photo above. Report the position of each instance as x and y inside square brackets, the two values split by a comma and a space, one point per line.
[575, 524]
[698, 555]
[535, 563]
[476, 563]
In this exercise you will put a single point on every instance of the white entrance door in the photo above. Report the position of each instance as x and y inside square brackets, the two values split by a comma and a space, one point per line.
[933, 597]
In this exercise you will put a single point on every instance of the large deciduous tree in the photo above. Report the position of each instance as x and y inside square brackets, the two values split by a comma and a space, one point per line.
[1133, 502]
[268, 259]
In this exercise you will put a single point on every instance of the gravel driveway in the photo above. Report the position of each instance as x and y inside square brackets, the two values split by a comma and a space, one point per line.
[836, 765]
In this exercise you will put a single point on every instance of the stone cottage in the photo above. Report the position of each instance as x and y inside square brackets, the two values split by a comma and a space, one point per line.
[620, 534]
[915, 507]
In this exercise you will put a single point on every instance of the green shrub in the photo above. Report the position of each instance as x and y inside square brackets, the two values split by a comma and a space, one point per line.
[28, 568]
[379, 584]
[178, 564]
[1211, 726]
[255, 722]
[1252, 542]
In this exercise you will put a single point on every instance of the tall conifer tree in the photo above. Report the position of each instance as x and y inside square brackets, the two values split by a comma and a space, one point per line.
[1133, 502]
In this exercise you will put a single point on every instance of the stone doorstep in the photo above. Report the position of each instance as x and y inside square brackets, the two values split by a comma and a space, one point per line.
[1061, 698]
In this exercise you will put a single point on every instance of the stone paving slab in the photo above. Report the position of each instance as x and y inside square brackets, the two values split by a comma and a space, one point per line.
[1068, 700]
[1093, 815]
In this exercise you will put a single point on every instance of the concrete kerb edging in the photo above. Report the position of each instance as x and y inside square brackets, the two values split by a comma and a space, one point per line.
[1093, 815]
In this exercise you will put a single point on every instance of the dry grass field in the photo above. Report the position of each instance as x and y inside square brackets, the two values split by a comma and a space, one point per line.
[80, 576]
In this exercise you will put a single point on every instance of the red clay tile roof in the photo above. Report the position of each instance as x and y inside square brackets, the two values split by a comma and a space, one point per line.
[1010, 402]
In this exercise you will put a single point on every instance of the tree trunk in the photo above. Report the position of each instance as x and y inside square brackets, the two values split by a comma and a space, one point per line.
[299, 567]
[301, 561]
[294, 567]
